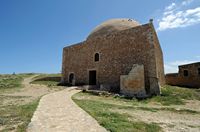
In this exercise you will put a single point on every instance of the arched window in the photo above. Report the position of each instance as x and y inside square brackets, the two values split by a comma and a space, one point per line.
[96, 57]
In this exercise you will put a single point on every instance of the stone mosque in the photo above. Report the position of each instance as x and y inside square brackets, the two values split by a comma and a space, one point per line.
[119, 55]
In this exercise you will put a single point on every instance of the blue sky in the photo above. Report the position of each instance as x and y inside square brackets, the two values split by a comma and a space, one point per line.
[33, 32]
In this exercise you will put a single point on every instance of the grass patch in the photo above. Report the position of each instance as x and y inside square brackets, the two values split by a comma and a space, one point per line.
[114, 112]
[180, 111]
[17, 117]
[113, 121]
[10, 81]
[25, 114]
[172, 95]
[14, 116]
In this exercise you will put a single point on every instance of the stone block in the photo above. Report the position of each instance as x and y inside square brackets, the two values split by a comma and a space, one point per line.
[133, 84]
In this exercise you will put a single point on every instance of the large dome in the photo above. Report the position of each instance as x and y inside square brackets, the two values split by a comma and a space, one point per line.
[113, 25]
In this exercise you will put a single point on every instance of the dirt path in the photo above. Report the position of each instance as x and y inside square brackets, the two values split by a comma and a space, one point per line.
[58, 113]
[27, 94]
[32, 90]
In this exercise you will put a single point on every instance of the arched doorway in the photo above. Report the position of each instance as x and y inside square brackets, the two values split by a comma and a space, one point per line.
[71, 78]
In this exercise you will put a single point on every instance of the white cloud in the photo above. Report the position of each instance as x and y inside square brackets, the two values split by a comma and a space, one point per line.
[175, 17]
[186, 2]
[172, 67]
[170, 7]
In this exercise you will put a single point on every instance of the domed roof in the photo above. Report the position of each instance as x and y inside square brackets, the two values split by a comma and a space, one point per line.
[113, 25]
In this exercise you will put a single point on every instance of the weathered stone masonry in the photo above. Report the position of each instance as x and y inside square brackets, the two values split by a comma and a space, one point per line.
[188, 76]
[118, 52]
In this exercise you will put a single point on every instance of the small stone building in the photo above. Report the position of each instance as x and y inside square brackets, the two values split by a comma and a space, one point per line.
[188, 76]
[110, 52]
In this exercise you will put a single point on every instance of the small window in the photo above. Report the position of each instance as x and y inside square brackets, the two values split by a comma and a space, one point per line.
[96, 57]
[185, 73]
[198, 71]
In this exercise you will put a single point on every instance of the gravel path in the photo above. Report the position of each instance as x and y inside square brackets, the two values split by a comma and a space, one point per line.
[58, 113]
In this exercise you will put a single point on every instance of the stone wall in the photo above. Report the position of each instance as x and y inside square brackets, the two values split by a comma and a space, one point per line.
[178, 79]
[159, 79]
[118, 52]
[183, 81]
[56, 79]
